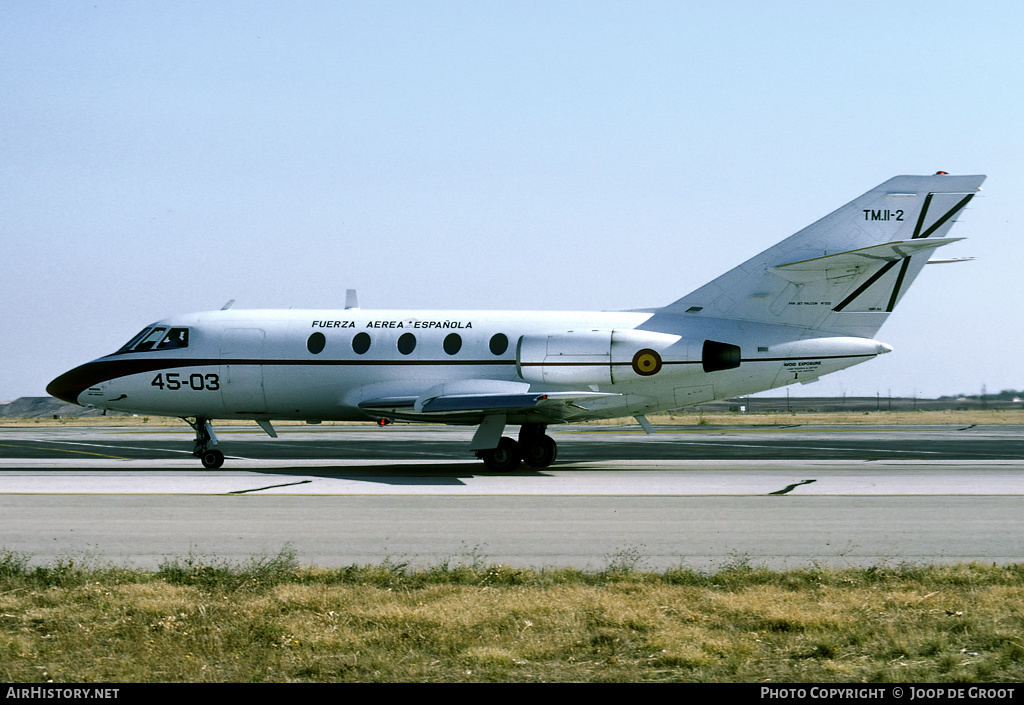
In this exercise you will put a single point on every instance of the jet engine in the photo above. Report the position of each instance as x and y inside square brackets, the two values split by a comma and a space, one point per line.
[594, 357]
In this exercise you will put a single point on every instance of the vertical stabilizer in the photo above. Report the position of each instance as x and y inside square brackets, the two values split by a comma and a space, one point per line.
[846, 272]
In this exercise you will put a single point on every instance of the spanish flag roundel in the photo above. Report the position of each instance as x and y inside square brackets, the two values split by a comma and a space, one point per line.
[646, 362]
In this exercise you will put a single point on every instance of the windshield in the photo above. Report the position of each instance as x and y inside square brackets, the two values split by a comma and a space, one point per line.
[157, 338]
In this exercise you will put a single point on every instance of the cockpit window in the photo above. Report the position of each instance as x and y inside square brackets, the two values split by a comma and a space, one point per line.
[128, 346]
[176, 338]
[158, 338]
[149, 340]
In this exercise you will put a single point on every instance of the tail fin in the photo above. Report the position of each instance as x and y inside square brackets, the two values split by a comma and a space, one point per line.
[846, 272]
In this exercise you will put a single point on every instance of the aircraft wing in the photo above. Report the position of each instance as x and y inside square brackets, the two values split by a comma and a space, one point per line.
[483, 399]
[508, 403]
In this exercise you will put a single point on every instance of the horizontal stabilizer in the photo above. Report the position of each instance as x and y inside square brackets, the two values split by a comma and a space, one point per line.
[862, 257]
[951, 260]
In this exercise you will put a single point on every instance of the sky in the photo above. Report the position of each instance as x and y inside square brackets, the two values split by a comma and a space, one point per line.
[164, 157]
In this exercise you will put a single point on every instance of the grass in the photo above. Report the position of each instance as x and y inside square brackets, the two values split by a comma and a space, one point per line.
[268, 620]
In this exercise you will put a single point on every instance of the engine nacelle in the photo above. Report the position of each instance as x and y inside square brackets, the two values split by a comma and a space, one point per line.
[584, 358]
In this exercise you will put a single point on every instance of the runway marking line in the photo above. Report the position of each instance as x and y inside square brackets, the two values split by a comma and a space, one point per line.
[750, 445]
[64, 450]
[271, 487]
[755, 429]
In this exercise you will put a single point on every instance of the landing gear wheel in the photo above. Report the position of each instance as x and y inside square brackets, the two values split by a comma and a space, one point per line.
[538, 449]
[211, 458]
[503, 458]
[540, 452]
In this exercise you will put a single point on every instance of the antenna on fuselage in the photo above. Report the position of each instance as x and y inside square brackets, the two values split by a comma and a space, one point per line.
[228, 305]
[351, 300]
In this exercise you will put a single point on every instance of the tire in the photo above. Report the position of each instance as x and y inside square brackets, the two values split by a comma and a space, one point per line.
[504, 458]
[211, 459]
[540, 453]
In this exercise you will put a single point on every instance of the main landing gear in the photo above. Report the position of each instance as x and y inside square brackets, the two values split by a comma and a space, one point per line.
[535, 448]
[210, 457]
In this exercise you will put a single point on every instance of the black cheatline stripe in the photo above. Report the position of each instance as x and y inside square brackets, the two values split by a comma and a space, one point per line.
[200, 362]
[72, 383]
[899, 283]
[359, 363]
[806, 357]
[953, 211]
[603, 363]
[695, 362]
[863, 287]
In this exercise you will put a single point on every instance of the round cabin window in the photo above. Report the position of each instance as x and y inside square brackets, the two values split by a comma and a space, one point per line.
[315, 343]
[361, 343]
[407, 343]
[499, 343]
[453, 343]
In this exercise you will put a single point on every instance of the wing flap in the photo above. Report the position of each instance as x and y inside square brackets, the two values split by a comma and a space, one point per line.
[506, 403]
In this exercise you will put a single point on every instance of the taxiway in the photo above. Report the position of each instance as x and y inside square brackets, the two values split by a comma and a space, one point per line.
[700, 496]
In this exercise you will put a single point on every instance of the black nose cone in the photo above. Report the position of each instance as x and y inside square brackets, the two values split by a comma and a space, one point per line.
[71, 384]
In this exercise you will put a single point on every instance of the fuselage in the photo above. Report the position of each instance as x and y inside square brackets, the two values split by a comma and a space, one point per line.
[355, 364]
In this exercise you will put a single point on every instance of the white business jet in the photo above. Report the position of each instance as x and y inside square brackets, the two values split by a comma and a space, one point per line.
[805, 307]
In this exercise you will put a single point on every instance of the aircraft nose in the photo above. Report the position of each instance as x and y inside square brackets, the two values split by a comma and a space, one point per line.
[66, 387]
[884, 348]
[70, 385]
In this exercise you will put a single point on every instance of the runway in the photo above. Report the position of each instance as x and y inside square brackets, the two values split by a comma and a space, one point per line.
[699, 496]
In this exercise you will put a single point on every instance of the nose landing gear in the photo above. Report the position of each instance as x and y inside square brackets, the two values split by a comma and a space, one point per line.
[211, 458]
